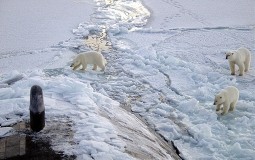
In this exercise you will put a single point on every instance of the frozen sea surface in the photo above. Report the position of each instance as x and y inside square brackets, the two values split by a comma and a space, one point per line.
[165, 65]
[28, 25]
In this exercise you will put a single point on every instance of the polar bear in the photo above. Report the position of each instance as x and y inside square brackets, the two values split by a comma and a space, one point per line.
[91, 57]
[227, 97]
[241, 57]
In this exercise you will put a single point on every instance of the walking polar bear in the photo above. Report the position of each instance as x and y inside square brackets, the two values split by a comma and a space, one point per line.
[241, 57]
[91, 57]
[227, 97]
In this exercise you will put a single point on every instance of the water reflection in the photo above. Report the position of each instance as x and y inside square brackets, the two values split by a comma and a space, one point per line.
[98, 41]
[121, 12]
[107, 2]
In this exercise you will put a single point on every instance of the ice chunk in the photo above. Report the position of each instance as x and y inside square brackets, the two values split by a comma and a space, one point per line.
[5, 130]
[13, 77]
[188, 106]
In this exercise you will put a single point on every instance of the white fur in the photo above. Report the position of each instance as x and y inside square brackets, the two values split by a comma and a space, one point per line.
[227, 97]
[241, 58]
[91, 57]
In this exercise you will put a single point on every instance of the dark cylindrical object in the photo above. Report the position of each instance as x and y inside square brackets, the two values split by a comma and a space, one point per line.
[37, 109]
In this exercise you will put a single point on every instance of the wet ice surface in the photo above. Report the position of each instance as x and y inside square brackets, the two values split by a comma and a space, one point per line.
[98, 41]
[165, 73]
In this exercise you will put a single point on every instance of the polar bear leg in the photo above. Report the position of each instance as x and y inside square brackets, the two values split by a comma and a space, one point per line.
[103, 68]
[225, 108]
[247, 64]
[232, 68]
[218, 107]
[241, 69]
[232, 106]
[74, 68]
[95, 67]
[84, 66]
[101, 65]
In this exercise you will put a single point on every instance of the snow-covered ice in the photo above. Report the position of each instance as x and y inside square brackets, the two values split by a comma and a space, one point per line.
[30, 25]
[5, 130]
[99, 123]
[166, 64]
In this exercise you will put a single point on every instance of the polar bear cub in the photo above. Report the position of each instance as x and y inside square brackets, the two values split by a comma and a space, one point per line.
[241, 57]
[227, 97]
[91, 57]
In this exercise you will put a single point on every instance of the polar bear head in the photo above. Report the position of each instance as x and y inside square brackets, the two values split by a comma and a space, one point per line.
[76, 62]
[219, 99]
[231, 55]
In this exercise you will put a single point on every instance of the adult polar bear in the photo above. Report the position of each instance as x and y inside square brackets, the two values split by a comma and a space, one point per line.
[241, 57]
[90, 57]
[227, 97]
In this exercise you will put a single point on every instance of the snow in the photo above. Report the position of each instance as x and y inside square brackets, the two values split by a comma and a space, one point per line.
[29, 25]
[172, 14]
[166, 64]
[94, 133]
[5, 130]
